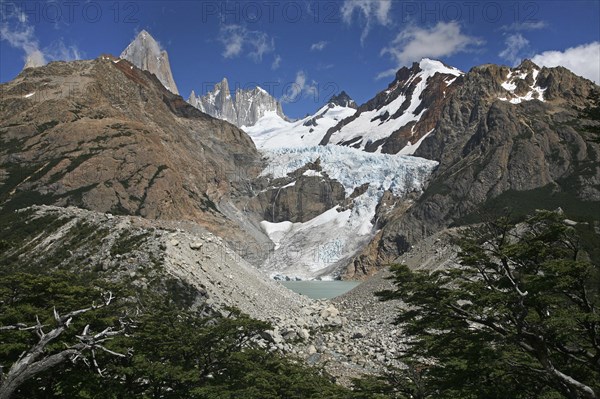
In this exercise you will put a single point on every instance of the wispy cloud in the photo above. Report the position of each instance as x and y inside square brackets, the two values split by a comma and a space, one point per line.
[318, 46]
[516, 45]
[583, 60]
[415, 43]
[16, 30]
[276, 62]
[237, 39]
[369, 12]
[524, 26]
[323, 67]
[301, 87]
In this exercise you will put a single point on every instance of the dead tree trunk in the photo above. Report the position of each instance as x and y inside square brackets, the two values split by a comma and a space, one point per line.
[35, 361]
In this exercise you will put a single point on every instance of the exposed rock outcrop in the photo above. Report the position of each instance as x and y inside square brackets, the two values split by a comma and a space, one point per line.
[298, 197]
[343, 100]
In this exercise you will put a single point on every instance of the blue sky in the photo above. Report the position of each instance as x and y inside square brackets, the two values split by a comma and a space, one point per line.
[304, 51]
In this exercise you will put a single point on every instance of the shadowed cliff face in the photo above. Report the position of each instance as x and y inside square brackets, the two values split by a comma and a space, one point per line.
[107, 136]
[500, 146]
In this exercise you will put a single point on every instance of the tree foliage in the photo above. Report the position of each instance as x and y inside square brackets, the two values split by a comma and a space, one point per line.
[172, 351]
[517, 318]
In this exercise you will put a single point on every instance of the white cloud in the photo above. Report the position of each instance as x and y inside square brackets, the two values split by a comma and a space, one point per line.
[523, 26]
[236, 39]
[276, 62]
[319, 45]
[369, 12]
[582, 60]
[15, 29]
[60, 51]
[515, 45]
[20, 34]
[415, 43]
[300, 88]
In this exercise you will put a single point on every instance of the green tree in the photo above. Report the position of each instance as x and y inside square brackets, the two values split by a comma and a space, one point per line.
[516, 318]
[47, 322]
[173, 350]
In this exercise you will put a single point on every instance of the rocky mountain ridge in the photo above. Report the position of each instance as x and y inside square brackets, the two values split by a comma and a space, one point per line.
[504, 138]
[187, 259]
[399, 117]
[106, 136]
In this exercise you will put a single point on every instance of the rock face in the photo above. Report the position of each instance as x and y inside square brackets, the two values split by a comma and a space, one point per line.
[343, 100]
[244, 109]
[297, 198]
[504, 138]
[145, 53]
[107, 136]
[401, 115]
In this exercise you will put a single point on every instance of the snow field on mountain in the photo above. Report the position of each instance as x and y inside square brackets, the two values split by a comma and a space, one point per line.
[370, 127]
[271, 131]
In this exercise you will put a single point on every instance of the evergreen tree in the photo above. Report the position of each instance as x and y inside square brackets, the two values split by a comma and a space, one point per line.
[516, 318]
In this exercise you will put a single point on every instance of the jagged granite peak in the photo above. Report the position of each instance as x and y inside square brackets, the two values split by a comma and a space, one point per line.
[217, 103]
[397, 119]
[145, 53]
[253, 104]
[527, 64]
[343, 100]
[245, 108]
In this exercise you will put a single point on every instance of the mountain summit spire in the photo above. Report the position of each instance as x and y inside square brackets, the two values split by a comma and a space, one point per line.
[145, 53]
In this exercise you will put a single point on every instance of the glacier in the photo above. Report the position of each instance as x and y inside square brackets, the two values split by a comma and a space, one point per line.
[320, 247]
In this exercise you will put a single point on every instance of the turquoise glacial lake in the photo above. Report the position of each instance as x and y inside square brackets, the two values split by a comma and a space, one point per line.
[320, 289]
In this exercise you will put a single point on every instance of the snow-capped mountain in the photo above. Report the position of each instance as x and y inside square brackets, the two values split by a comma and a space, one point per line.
[272, 131]
[402, 114]
[145, 53]
[245, 108]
